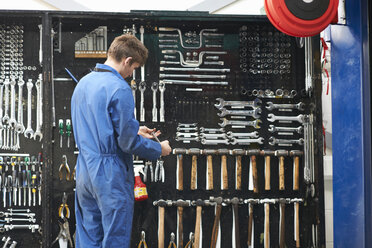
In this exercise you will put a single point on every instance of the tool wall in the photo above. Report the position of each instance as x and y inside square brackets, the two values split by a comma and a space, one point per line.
[238, 100]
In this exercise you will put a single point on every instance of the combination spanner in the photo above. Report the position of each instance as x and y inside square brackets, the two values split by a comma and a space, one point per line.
[29, 133]
[39, 113]
[154, 88]
[271, 106]
[255, 113]
[222, 103]
[235, 141]
[274, 129]
[20, 128]
[273, 141]
[298, 118]
[226, 122]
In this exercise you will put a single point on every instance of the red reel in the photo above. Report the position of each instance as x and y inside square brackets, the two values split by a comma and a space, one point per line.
[301, 18]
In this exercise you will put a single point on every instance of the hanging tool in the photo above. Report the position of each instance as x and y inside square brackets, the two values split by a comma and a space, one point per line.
[161, 204]
[64, 164]
[224, 177]
[253, 181]
[159, 169]
[179, 171]
[235, 208]
[267, 155]
[38, 184]
[281, 154]
[267, 203]
[15, 186]
[238, 153]
[190, 244]
[180, 204]
[282, 202]
[194, 152]
[251, 203]
[142, 243]
[63, 235]
[171, 243]
[68, 131]
[29, 178]
[296, 206]
[216, 224]
[198, 223]
[296, 168]
[33, 185]
[25, 186]
[209, 153]
[64, 207]
[61, 132]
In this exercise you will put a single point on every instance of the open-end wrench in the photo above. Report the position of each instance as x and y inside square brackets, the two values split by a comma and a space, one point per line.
[180, 134]
[226, 122]
[29, 133]
[154, 88]
[8, 220]
[11, 227]
[271, 106]
[213, 135]
[161, 110]
[274, 129]
[6, 242]
[235, 141]
[298, 118]
[187, 138]
[142, 88]
[12, 120]
[161, 75]
[133, 85]
[246, 135]
[38, 111]
[214, 141]
[6, 104]
[211, 130]
[222, 103]
[273, 141]
[255, 113]
[20, 128]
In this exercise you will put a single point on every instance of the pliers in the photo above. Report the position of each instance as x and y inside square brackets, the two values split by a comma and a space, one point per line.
[159, 171]
[148, 165]
[63, 207]
[190, 244]
[142, 243]
[171, 243]
[64, 164]
[64, 233]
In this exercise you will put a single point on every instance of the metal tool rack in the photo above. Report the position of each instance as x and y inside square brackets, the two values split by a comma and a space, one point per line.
[262, 64]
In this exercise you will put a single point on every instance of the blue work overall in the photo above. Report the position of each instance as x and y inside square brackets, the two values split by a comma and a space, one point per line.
[106, 134]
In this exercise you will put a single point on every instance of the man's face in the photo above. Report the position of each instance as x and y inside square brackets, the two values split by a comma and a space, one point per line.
[128, 67]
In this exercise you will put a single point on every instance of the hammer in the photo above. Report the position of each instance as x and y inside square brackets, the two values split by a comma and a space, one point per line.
[238, 167]
[296, 168]
[216, 224]
[199, 204]
[235, 207]
[209, 153]
[179, 172]
[281, 154]
[266, 203]
[224, 177]
[253, 170]
[180, 204]
[250, 202]
[296, 203]
[267, 155]
[282, 202]
[161, 207]
[194, 152]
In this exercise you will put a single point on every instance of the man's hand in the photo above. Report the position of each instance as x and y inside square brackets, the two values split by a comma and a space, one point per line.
[165, 148]
[146, 132]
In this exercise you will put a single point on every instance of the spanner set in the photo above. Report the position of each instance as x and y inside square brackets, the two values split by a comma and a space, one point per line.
[232, 95]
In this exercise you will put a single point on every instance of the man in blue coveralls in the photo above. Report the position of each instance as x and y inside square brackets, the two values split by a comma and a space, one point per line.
[107, 135]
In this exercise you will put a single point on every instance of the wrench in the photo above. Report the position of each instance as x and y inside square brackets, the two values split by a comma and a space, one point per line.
[225, 122]
[179, 134]
[214, 141]
[142, 88]
[161, 110]
[213, 135]
[38, 111]
[20, 128]
[11, 227]
[154, 88]
[298, 118]
[271, 106]
[247, 135]
[6, 107]
[274, 129]
[133, 85]
[273, 141]
[236, 141]
[12, 120]
[8, 220]
[255, 113]
[29, 133]
[187, 139]
[211, 130]
[222, 103]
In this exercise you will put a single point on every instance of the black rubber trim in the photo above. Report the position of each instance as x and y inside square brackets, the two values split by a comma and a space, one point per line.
[307, 11]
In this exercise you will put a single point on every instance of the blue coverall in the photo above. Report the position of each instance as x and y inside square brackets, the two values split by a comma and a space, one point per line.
[106, 134]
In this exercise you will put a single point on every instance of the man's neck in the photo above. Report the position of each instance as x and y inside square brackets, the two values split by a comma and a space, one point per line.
[112, 63]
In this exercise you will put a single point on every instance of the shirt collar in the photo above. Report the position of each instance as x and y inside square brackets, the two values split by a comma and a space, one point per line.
[107, 67]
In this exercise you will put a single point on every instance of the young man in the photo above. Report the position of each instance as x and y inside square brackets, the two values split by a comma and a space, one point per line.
[107, 136]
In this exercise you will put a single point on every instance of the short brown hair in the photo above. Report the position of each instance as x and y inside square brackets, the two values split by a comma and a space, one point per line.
[128, 45]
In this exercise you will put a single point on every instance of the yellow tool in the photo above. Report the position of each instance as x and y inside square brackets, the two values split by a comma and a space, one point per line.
[64, 164]
[64, 207]
[143, 241]
[171, 243]
[190, 244]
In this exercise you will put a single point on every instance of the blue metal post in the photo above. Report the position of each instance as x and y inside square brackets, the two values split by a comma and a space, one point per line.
[351, 118]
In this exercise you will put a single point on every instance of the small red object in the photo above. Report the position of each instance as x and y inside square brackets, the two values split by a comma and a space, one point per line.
[140, 190]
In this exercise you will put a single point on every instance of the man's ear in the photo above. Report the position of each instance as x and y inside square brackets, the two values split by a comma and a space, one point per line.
[128, 61]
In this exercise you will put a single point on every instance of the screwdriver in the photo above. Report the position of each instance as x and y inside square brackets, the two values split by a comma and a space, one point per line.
[60, 125]
[7, 162]
[40, 160]
[20, 186]
[9, 188]
[4, 181]
[29, 186]
[15, 186]
[27, 161]
[38, 183]
[33, 163]
[33, 185]
[68, 131]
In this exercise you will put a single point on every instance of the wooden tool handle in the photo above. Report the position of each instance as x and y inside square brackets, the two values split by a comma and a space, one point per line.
[282, 226]
[215, 226]
[267, 173]
[296, 182]
[210, 172]
[254, 172]
[237, 232]
[225, 181]
[161, 228]
[180, 171]
[197, 226]
[238, 173]
[297, 231]
[193, 172]
[281, 173]
[267, 226]
[250, 225]
[180, 226]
